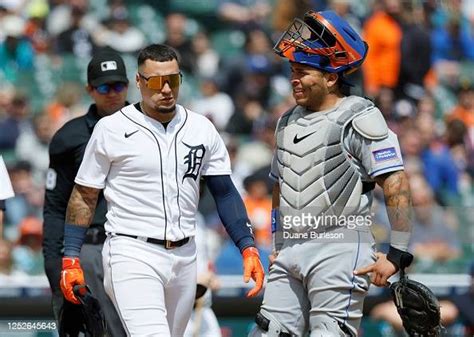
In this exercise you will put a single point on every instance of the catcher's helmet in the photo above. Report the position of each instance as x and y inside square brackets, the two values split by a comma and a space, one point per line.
[323, 40]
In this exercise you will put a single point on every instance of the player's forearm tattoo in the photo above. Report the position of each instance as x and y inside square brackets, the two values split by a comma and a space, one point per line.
[81, 206]
[397, 195]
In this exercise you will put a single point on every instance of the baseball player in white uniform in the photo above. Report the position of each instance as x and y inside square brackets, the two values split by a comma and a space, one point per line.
[6, 191]
[148, 158]
[331, 151]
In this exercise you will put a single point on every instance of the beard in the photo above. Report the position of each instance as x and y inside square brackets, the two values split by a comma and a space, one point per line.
[166, 110]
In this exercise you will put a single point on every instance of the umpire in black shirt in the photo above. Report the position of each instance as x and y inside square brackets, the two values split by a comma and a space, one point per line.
[107, 85]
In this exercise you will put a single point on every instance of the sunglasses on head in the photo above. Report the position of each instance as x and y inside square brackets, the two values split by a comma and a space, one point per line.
[157, 82]
[104, 89]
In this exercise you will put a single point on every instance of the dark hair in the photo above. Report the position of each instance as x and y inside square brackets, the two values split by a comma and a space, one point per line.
[157, 52]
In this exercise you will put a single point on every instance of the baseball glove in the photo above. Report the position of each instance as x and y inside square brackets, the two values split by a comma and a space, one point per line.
[418, 308]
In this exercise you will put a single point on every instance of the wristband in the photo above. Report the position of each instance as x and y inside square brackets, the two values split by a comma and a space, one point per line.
[400, 240]
[74, 236]
[399, 258]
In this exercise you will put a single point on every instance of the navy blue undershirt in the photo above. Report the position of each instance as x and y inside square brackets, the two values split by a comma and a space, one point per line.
[231, 209]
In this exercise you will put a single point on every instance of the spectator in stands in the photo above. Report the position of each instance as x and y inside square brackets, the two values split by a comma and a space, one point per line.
[459, 141]
[248, 109]
[446, 87]
[240, 169]
[258, 151]
[415, 53]
[60, 16]
[464, 110]
[207, 59]
[383, 33]
[32, 146]
[28, 199]
[250, 73]
[402, 117]
[214, 104]
[16, 52]
[438, 164]
[427, 105]
[120, 35]
[76, 39]
[454, 40]
[36, 32]
[244, 14]
[66, 104]
[27, 254]
[177, 38]
[16, 120]
[434, 239]
[259, 205]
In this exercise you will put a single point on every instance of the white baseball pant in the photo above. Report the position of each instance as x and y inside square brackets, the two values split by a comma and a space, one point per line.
[152, 288]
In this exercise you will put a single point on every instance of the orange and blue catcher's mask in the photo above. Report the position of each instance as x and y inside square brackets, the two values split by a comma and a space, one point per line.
[323, 40]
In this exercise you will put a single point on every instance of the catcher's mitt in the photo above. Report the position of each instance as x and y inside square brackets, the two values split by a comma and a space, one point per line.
[418, 308]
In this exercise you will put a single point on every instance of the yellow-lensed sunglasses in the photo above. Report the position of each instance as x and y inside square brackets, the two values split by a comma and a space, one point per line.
[157, 82]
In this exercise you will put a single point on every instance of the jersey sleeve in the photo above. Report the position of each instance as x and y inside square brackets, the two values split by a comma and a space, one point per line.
[96, 163]
[6, 190]
[218, 161]
[375, 157]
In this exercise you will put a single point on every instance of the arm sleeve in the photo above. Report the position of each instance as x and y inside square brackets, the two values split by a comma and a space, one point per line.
[96, 163]
[231, 210]
[374, 157]
[218, 161]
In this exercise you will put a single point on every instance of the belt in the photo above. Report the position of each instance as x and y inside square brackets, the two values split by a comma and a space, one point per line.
[95, 237]
[167, 243]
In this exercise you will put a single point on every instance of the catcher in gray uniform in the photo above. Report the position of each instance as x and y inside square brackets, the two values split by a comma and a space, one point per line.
[331, 151]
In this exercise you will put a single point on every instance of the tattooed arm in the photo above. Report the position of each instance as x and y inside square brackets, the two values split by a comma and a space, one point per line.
[397, 195]
[81, 206]
[80, 210]
[79, 214]
[396, 190]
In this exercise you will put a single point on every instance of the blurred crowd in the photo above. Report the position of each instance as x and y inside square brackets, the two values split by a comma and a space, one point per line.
[419, 71]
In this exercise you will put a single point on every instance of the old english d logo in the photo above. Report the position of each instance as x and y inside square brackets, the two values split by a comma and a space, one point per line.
[194, 160]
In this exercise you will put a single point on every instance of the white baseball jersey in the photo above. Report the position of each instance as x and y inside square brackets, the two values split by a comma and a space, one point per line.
[150, 175]
[6, 190]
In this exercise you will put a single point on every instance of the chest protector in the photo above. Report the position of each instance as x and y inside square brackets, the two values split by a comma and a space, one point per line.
[317, 176]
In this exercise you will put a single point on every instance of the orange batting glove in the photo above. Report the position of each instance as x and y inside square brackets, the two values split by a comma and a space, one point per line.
[253, 269]
[71, 275]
